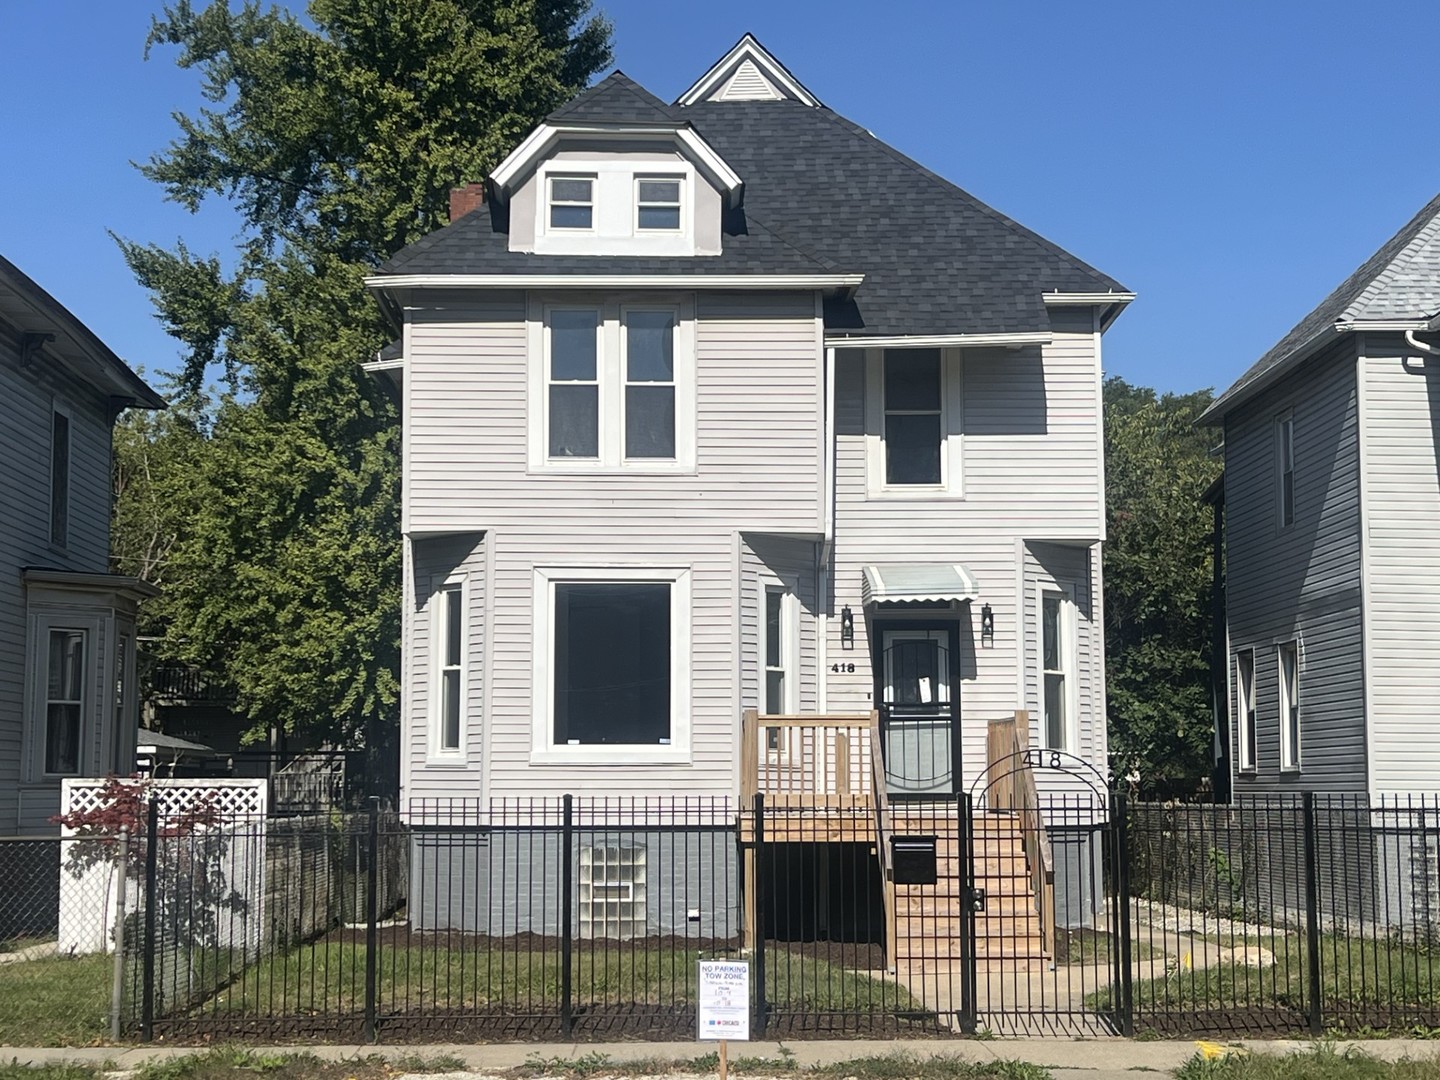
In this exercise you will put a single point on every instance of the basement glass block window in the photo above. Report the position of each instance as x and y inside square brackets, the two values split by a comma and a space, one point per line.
[650, 384]
[612, 663]
[572, 337]
[572, 202]
[658, 204]
[64, 701]
[913, 426]
[612, 891]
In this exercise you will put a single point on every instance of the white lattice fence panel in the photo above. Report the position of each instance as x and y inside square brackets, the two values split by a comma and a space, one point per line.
[89, 894]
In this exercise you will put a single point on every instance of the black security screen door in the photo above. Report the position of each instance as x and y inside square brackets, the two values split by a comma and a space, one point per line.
[612, 663]
[919, 711]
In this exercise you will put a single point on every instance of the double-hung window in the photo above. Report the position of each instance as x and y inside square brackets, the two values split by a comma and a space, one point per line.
[59, 479]
[1057, 666]
[572, 202]
[450, 669]
[781, 655]
[913, 422]
[612, 663]
[657, 203]
[1285, 468]
[1288, 664]
[65, 670]
[614, 385]
[1245, 708]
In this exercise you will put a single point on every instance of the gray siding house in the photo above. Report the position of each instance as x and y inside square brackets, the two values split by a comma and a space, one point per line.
[724, 405]
[67, 626]
[1332, 539]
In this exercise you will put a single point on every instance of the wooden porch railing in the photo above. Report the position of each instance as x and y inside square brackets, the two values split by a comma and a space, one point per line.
[812, 761]
[1013, 789]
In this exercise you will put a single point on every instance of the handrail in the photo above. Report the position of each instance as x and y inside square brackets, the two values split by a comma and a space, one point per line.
[883, 853]
[1016, 791]
[813, 759]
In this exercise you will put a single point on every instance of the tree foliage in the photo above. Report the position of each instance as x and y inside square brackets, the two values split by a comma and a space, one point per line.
[336, 139]
[1158, 578]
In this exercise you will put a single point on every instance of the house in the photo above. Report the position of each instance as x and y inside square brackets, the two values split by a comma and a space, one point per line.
[1331, 517]
[67, 626]
[725, 405]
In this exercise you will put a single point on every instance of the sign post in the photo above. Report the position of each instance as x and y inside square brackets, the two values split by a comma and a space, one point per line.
[724, 1005]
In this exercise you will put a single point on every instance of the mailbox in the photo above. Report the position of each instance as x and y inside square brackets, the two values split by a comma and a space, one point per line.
[913, 860]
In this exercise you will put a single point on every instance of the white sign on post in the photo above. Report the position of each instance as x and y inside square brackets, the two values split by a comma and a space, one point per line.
[724, 1000]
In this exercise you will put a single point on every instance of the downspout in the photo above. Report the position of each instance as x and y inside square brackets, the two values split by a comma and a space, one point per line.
[1414, 342]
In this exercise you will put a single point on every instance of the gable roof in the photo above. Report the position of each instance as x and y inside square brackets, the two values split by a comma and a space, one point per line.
[68, 342]
[820, 192]
[763, 78]
[1400, 283]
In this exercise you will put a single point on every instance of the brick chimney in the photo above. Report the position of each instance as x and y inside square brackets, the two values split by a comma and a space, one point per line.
[465, 199]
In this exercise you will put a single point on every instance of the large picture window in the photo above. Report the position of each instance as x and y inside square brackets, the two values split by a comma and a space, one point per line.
[615, 387]
[65, 667]
[612, 663]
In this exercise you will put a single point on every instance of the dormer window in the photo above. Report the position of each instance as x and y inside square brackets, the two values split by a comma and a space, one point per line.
[572, 202]
[657, 204]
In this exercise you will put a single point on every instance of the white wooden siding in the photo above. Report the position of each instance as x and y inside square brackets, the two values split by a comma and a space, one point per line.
[1302, 581]
[1032, 474]
[766, 560]
[759, 411]
[1402, 493]
[27, 401]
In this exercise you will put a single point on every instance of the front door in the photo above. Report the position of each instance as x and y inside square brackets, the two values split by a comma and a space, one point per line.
[919, 709]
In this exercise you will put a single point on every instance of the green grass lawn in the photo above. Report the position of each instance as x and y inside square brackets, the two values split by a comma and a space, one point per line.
[55, 1001]
[1320, 1063]
[328, 977]
[1083, 946]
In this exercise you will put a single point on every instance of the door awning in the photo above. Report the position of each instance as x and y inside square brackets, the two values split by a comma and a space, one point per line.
[910, 582]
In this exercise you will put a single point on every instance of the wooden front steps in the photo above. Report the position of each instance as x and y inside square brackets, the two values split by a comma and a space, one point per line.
[927, 920]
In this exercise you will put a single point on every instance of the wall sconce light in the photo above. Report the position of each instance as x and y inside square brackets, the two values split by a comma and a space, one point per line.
[847, 628]
[987, 626]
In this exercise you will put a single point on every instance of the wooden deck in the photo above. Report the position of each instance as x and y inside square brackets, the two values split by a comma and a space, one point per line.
[821, 780]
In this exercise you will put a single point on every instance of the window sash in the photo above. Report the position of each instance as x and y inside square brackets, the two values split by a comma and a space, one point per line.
[649, 390]
[1245, 708]
[574, 433]
[59, 479]
[1288, 672]
[914, 427]
[1057, 662]
[1285, 453]
[776, 656]
[66, 673]
[450, 653]
[654, 211]
[570, 212]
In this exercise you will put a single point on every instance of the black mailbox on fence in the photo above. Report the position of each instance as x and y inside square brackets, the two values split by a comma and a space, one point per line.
[913, 860]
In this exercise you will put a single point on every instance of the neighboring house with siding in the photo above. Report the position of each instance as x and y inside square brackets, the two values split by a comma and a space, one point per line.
[724, 404]
[1332, 538]
[67, 626]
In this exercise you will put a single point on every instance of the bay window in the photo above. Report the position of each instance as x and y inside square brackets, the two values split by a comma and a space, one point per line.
[65, 670]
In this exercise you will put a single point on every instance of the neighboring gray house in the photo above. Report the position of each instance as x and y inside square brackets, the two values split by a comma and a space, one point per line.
[1332, 538]
[726, 404]
[67, 627]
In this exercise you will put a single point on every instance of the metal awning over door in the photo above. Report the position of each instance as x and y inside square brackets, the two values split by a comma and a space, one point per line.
[902, 582]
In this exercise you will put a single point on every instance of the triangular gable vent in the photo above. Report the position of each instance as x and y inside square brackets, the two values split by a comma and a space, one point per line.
[748, 73]
[747, 84]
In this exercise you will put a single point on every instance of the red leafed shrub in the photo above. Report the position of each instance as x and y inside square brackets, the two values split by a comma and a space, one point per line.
[124, 803]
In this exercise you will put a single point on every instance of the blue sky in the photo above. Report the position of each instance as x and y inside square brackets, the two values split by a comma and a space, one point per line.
[1230, 162]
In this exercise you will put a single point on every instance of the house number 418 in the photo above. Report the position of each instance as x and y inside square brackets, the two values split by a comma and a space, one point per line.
[843, 669]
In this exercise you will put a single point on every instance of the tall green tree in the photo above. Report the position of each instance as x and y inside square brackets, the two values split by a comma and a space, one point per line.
[336, 139]
[1158, 576]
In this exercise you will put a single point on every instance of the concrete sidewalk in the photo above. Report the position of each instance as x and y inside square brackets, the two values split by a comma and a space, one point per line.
[1069, 1059]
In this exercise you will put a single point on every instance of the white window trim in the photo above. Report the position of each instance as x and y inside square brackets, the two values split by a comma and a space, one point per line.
[59, 409]
[789, 642]
[1245, 731]
[123, 703]
[95, 700]
[1070, 656]
[543, 750]
[549, 200]
[614, 221]
[1290, 756]
[437, 753]
[952, 449]
[610, 369]
[1284, 442]
[680, 204]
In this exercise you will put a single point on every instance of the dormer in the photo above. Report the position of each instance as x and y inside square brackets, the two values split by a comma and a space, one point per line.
[638, 182]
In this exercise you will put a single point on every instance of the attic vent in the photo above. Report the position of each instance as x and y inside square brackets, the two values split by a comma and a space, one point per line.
[747, 84]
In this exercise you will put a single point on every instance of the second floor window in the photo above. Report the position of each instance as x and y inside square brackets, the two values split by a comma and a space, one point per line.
[914, 427]
[60, 479]
[1285, 466]
[615, 383]
[451, 667]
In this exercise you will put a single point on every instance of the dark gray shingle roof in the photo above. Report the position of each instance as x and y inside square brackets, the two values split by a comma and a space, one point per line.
[1400, 281]
[821, 195]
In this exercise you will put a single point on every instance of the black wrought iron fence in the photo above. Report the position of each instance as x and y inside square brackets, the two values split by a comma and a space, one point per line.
[587, 918]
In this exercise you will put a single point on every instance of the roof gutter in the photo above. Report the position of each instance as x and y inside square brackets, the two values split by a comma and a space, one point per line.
[727, 282]
[937, 341]
[1111, 303]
